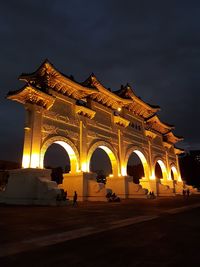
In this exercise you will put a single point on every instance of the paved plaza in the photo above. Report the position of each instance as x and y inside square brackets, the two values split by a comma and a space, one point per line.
[138, 232]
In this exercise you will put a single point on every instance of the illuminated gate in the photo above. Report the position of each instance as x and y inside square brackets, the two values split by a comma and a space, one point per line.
[84, 116]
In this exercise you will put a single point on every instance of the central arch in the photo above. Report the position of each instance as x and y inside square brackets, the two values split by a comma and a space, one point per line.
[142, 159]
[109, 151]
[69, 148]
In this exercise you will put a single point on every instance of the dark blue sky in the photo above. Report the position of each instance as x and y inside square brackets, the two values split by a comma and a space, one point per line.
[153, 45]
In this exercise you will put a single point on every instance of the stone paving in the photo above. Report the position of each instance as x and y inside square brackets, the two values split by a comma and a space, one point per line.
[25, 229]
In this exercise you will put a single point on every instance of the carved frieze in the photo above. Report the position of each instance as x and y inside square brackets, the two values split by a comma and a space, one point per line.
[56, 117]
[92, 134]
[50, 129]
[61, 131]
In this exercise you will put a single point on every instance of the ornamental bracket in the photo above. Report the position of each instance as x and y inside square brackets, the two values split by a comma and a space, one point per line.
[121, 121]
[81, 110]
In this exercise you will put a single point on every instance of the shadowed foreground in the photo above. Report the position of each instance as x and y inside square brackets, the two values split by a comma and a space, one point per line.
[168, 240]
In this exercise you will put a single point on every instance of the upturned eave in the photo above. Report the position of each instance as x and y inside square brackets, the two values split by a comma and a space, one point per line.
[156, 124]
[31, 95]
[172, 138]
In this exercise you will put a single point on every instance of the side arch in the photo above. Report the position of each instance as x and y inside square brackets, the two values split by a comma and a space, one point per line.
[142, 156]
[109, 151]
[163, 167]
[69, 147]
[175, 172]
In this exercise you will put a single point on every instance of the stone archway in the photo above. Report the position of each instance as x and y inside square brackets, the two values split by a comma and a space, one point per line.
[142, 158]
[163, 169]
[174, 172]
[109, 151]
[69, 148]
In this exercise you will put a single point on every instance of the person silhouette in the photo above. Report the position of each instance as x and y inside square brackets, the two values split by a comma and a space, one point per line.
[188, 192]
[75, 197]
[184, 192]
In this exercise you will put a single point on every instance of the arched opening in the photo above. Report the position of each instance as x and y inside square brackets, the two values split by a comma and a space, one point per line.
[160, 170]
[137, 159]
[60, 158]
[174, 173]
[70, 153]
[101, 165]
[108, 156]
[56, 157]
[135, 168]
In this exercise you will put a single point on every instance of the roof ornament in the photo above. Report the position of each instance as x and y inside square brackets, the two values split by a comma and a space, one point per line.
[128, 86]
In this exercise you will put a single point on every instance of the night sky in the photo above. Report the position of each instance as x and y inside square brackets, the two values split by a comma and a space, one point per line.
[153, 45]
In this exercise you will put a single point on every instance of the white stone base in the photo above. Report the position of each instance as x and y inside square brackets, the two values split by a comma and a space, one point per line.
[169, 183]
[136, 190]
[157, 186]
[192, 189]
[150, 185]
[118, 185]
[165, 190]
[124, 187]
[30, 187]
[85, 185]
[179, 185]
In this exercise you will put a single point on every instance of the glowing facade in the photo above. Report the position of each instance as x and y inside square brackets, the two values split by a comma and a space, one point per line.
[82, 117]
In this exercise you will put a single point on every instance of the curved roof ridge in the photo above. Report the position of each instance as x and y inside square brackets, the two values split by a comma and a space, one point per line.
[127, 92]
[161, 122]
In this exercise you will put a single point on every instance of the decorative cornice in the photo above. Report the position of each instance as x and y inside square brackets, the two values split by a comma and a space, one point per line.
[81, 110]
[167, 145]
[156, 124]
[178, 151]
[47, 78]
[121, 121]
[30, 94]
[150, 134]
[136, 104]
[172, 138]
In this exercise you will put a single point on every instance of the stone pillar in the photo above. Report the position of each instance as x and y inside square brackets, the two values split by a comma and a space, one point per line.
[167, 163]
[118, 185]
[178, 169]
[122, 164]
[32, 137]
[27, 139]
[168, 180]
[152, 174]
[83, 147]
[150, 182]
[85, 185]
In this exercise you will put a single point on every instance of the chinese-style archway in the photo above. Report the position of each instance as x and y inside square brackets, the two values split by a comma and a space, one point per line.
[82, 117]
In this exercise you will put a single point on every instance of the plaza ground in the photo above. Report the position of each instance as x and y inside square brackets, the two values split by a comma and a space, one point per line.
[138, 232]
